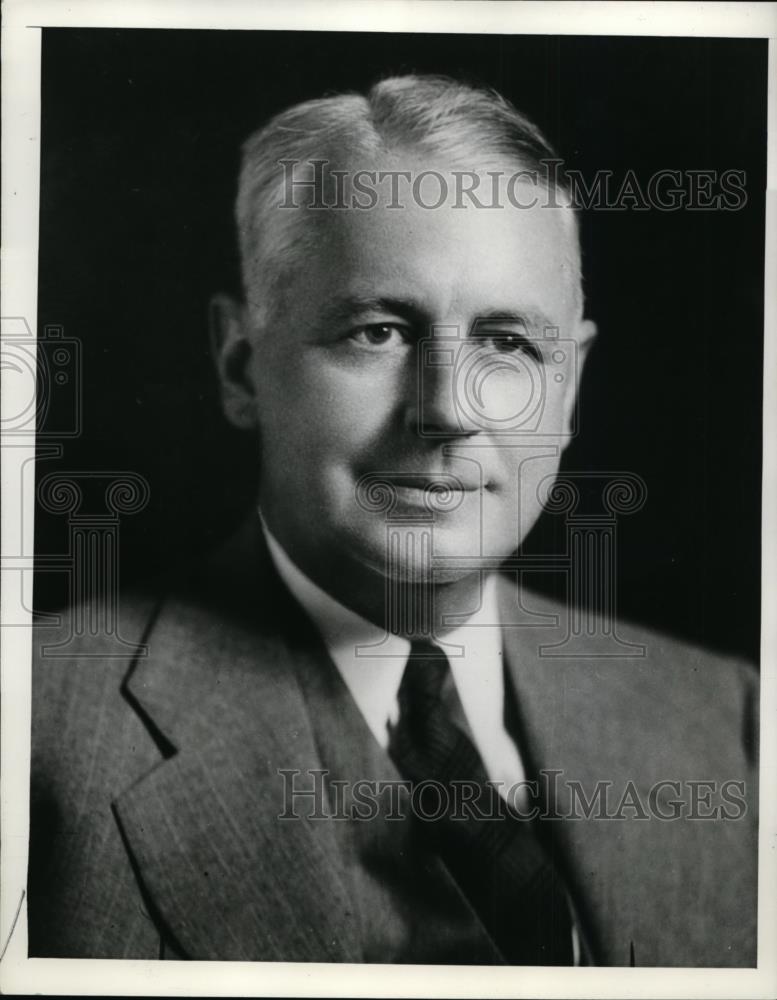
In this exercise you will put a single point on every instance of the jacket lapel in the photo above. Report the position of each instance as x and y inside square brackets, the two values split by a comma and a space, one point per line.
[218, 691]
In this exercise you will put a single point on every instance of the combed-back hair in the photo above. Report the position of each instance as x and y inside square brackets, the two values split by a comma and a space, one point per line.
[428, 115]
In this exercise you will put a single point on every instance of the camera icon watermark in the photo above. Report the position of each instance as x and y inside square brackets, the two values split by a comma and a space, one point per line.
[44, 380]
[500, 375]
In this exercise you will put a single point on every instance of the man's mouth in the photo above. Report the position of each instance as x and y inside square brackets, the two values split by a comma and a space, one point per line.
[433, 484]
[437, 491]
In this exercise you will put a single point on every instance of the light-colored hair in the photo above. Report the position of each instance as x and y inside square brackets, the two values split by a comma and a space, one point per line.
[430, 115]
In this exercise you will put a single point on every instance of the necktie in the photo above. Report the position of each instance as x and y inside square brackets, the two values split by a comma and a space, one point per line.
[495, 858]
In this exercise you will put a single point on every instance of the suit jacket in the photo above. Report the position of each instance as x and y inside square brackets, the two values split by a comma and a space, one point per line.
[156, 790]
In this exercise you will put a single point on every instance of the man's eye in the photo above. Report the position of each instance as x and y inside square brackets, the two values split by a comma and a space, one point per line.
[380, 335]
[507, 343]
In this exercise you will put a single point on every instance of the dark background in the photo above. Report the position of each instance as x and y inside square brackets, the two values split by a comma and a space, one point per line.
[141, 131]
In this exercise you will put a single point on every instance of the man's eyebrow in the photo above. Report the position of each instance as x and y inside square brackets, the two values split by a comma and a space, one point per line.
[346, 308]
[533, 319]
[343, 309]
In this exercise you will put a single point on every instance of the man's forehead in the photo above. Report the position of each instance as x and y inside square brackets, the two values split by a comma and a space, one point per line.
[473, 239]
[366, 270]
[398, 224]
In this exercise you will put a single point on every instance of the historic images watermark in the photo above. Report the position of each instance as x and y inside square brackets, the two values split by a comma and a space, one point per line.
[314, 184]
[314, 795]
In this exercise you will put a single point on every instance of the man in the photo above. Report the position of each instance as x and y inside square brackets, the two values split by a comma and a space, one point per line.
[347, 741]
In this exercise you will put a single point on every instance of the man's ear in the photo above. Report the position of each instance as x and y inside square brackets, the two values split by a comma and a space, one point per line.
[232, 350]
[585, 335]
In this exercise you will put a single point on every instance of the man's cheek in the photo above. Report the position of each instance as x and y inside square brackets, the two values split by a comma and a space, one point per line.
[552, 420]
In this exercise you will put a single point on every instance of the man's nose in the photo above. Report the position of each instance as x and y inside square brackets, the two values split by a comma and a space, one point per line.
[439, 410]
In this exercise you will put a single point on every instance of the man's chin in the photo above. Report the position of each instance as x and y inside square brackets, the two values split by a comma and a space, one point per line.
[434, 553]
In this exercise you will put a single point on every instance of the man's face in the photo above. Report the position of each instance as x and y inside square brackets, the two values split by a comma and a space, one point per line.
[414, 347]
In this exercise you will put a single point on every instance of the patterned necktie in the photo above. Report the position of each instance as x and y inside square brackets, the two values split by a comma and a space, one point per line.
[495, 857]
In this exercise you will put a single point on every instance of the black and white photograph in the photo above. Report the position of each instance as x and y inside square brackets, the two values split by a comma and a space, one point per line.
[386, 559]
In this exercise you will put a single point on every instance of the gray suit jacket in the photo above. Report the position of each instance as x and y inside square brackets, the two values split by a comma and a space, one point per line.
[156, 791]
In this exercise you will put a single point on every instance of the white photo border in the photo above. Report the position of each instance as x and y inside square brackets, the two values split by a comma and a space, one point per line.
[21, 55]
